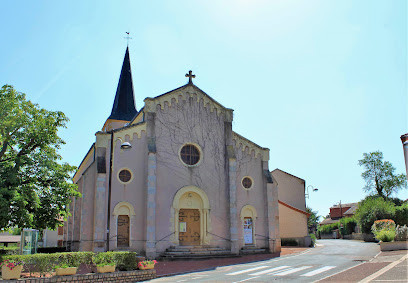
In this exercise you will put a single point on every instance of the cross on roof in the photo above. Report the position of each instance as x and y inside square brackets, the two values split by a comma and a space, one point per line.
[190, 77]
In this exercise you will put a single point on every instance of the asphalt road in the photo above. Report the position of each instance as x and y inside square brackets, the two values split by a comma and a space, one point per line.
[327, 258]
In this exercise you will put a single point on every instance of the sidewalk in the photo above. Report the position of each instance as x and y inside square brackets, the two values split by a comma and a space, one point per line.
[167, 268]
[386, 267]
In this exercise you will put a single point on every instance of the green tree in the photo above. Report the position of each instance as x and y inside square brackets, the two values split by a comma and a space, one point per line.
[35, 188]
[373, 208]
[312, 221]
[379, 175]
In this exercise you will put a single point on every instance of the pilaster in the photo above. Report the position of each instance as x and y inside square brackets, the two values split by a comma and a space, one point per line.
[272, 207]
[151, 188]
[232, 188]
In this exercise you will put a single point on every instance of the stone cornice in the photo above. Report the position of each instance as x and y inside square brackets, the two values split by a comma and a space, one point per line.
[244, 143]
[184, 93]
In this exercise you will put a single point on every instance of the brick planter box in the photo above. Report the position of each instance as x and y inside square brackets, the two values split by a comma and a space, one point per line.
[121, 276]
[394, 246]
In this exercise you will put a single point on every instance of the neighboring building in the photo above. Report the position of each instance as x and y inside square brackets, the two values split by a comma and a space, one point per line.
[52, 238]
[339, 211]
[173, 173]
[7, 238]
[292, 207]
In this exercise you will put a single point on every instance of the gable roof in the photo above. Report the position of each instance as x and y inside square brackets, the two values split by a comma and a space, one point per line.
[124, 104]
[277, 169]
[294, 208]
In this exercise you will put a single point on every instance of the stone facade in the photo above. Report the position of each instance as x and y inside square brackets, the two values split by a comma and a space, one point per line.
[162, 187]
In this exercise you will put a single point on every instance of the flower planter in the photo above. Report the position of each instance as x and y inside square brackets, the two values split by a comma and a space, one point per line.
[394, 246]
[15, 273]
[66, 271]
[147, 266]
[106, 268]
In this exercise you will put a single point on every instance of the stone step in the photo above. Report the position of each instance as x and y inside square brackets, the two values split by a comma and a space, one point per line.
[252, 251]
[196, 250]
[197, 257]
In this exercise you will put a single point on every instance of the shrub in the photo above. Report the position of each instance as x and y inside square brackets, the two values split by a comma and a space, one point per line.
[44, 263]
[401, 233]
[385, 235]
[103, 259]
[313, 237]
[125, 261]
[328, 228]
[349, 224]
[383, 224]
[372, 209]
[401, 214]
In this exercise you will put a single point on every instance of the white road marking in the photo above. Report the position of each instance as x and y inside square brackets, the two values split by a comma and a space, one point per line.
[317, 271]
[292, 270]
[246, 279]
[269, 270]
[247, 270]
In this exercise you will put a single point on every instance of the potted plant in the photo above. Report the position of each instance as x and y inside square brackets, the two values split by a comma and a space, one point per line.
[104, 262]
[65, 269]
[11, 269]
[147, 264]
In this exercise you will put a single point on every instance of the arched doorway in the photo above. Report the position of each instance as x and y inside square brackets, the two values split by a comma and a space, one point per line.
[123, 214]
[190, 215]
[248, 216]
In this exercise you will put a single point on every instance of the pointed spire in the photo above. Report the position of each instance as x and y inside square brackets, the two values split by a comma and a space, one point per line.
[124, 105]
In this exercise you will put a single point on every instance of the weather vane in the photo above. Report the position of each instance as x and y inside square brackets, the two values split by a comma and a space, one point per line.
[127, 38]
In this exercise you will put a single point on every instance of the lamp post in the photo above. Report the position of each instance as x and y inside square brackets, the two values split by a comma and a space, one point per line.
[314, 189]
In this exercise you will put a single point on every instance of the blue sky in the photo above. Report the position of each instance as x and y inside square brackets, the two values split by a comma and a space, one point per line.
[317, 82]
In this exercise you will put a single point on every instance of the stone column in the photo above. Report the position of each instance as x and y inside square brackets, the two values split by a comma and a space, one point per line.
[404, 140]
[233, 205]
[100, 213]
[151, 188]
[102, 147]
[272, 207]
[232, 187]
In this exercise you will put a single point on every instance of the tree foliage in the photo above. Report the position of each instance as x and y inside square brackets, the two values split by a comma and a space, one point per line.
[35, 188]
[371, 209]
[313, 220]
[379, 175]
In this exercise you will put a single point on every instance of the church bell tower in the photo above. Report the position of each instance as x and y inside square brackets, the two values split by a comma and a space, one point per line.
[124, 109]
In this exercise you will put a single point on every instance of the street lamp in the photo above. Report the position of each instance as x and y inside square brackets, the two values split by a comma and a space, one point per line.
[314, 189]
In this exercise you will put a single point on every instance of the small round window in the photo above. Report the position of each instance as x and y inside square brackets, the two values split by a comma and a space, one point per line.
[125, 175]
[247, 183]
[190, 154]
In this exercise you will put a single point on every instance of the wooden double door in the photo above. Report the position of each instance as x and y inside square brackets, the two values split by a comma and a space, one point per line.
[189, 227]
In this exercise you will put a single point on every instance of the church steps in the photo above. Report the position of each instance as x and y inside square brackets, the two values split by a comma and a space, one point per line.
[195, 252]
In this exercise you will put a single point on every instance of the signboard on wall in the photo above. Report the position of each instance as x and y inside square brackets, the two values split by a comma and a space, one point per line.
[183, 227]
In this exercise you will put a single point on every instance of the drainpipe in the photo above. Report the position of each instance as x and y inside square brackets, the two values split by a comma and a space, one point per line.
[109, 193]
[404, 140]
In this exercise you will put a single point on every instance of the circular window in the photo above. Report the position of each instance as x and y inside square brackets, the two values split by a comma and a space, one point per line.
[125, 175]
[247, 182]
[190, 154]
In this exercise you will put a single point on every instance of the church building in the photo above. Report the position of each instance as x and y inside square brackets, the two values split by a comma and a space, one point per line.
[172, 174]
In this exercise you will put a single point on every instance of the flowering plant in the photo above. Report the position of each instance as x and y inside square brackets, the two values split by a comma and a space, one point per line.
[145, 263]
[383, 224]
[11, 263]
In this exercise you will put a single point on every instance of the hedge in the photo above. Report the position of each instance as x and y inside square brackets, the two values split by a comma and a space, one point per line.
[44, 263]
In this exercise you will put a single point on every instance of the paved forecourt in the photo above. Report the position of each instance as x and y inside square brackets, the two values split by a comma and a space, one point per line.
[328, 258]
